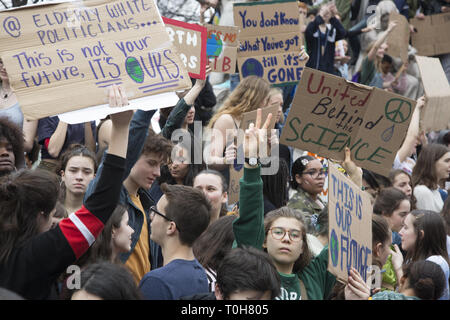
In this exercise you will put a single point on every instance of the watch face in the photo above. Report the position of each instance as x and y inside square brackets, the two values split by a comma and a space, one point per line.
[253, 161]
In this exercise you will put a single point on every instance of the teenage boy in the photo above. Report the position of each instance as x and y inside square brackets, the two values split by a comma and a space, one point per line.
[181, 216]
[146, 153]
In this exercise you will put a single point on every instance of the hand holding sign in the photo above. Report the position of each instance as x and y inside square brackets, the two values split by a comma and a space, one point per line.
[356, 288]
[120, 122]
[354, 172]
[303, 55]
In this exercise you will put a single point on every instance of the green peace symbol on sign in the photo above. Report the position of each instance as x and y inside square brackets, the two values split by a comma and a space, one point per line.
[397, 110]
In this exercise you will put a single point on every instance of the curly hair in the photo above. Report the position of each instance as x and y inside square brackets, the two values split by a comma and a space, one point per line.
[14, 135]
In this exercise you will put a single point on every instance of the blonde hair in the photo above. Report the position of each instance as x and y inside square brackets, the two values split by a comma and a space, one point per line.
[248, 96]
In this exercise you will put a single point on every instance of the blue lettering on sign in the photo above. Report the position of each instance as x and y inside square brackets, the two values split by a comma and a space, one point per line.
[284, 74]
[128, 47]
[279, 18]
[247, 23]
[355, 255]
[12, 26]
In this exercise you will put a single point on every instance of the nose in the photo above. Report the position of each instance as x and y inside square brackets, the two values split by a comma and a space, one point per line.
[80, 175]
[286, 237]
[157, 172]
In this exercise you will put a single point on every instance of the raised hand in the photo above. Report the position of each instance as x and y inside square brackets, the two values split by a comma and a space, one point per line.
[256, 136]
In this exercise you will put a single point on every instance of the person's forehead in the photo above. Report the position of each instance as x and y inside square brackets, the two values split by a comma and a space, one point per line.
[207, 179]
[287, 223]
[162, 202]
[80, 162]
[153, 156]
[314, 164]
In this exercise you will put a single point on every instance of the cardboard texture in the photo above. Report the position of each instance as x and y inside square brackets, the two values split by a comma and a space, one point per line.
[350, 226]
[269, 40]
[398, 39]
[190, 41]
[222, 46]
[436, 114]
[329, 113]
[237, 171]
[62, 58]
[432, 36]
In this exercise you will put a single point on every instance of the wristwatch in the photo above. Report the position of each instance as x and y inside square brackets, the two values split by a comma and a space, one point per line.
[253, 161]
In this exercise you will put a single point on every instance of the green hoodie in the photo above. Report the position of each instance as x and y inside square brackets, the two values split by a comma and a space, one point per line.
[248, 230]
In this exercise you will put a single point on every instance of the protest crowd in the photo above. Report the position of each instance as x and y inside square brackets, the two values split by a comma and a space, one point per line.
[214, 197]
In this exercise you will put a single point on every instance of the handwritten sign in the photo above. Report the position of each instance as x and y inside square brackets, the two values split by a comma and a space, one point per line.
[236, 170]
[398, 39]
[190, 41]
[350, 226]
[222, 47]
[329, 113]
[62, 57]
[436, 114]
[432, 36]
[270, 40]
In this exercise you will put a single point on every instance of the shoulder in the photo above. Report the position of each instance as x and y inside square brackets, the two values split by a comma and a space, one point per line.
[224, 121]
[154, 277]
[422, 190]
[439, 260]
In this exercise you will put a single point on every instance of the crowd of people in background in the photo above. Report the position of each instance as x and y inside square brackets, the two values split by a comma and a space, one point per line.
[120, 201]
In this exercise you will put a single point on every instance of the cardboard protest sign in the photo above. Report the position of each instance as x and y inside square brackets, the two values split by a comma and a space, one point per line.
[432, 36]
[436, 114]
[350, 226]
[329, 113]
[398, 39]
[269, 40]
[221, 49]
[62, 58]
[236, 170]
[190, 41]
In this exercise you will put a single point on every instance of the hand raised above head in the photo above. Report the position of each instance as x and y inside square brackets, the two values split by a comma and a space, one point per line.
[256, 136]
[118, 99]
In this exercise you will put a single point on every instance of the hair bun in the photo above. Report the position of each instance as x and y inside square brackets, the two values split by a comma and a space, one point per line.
[425, 286]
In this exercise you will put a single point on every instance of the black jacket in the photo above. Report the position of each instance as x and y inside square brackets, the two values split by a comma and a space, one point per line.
[33, 268]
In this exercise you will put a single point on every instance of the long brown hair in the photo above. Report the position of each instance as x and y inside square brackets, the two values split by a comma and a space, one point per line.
[248, 96]
[23, 196]
[424, 171]
[434, 238]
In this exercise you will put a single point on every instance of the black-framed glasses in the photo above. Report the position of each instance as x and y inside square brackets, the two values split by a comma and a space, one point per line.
[278, 233]
[155, 211]
[316, 173]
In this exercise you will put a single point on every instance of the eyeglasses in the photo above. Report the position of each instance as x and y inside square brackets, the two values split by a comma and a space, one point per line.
[152, 215]
[278, 233]
[316, 173]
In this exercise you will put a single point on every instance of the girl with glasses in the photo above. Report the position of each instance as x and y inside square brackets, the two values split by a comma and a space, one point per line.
[308, 179]
[282, 233]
